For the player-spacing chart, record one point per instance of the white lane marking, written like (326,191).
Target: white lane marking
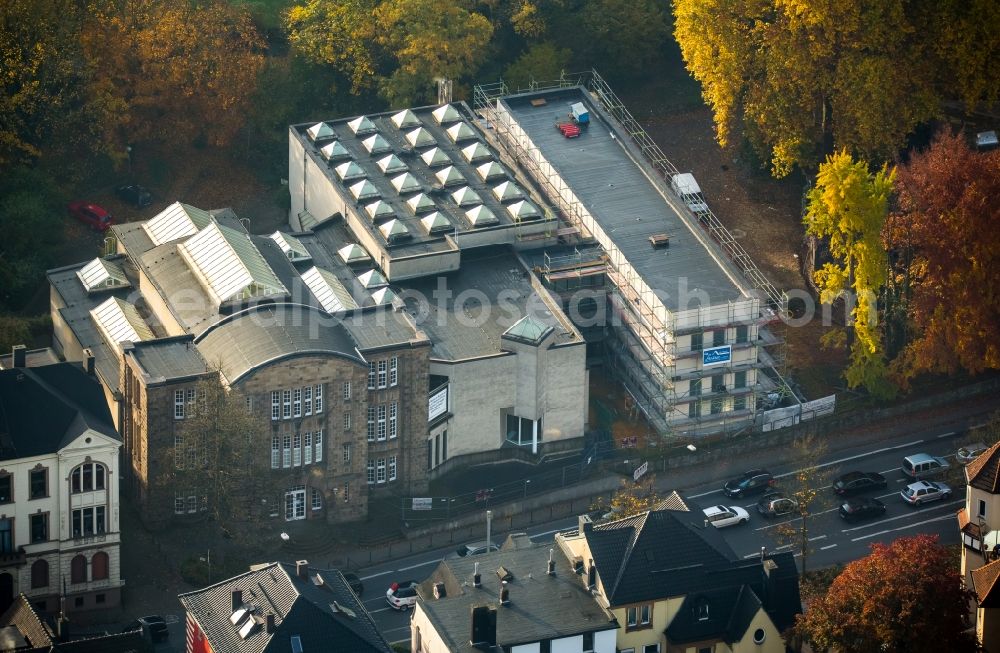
(421,564)
(885,521)
(948,434)
(558,530)
(818,537)
(703,494)
(828,546)
(784,546)
(381,573)
(903,528)
(380,610)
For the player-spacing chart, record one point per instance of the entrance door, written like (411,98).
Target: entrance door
(295,503)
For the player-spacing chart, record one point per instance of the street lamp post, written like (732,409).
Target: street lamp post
(489,523)
(526,481)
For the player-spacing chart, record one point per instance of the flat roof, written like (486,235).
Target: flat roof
(169,358)
(614,184)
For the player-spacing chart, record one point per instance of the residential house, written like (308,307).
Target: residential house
(979,524)
(24,630)
(280,608)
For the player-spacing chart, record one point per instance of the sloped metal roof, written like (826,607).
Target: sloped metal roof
(461,132)
(406,183)
(465,196)
(229,265)
(491,170)
(421,203)
(450,176)
(436,158)
(353,253)
(175,222)
(328,290)
(390,164)
(333,151)
(321,131)
(420,137)
(507,191)
(118,322)
(372,279)
(376,144)
(405,118)
(481,216)
(476,152)
(435,222)
(446,113)
(291,246)
(362,125)
(102,274)
(350,170)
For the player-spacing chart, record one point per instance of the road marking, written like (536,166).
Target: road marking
(420,564)
(784,546)
(703,494)
(883,521)
(380,610)
(854,457)
(818,537)
(903,528)
(558,530)
(381,573)
(948,434)
(828,546)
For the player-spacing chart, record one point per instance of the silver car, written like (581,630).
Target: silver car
(722,516)
(921,492)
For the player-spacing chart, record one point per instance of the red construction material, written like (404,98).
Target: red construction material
(568,129)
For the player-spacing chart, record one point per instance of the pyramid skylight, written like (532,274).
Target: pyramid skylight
(405,118)
(372,279)
(376,144)
(406,183)
(102,274)
(364,190)
(321,131)
(491,170)
(461,132)
(465,196)
(362,125)
(421,203)
(508,190)
(481,216)
(476,152)
(450,176)
(328,290)
(394,229)
(436,158)
(380,210)
(291,246)
(175,222)
(229,265)
(119,322)
(446,113)
(353,253)
(333,151)
(523,210)
(383,296)
(349,170)
(391,164)
(420,138)
(435,222)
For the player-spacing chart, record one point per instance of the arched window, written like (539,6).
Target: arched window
(78,569)
(39,573)
(99,566)
(87,477)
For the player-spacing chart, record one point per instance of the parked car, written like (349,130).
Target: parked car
(356,585)
(775,504)
(861,508)
(475,549)
(922,492)
(402,595)
(921,465)
(135,194)
(970,452)
(722,516)
(92,215)
(751,482)
(855,482)
(152,626)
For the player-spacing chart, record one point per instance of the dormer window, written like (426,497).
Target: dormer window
(702,610)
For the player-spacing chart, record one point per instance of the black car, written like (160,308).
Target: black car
(356,585)
(775,504)
(135,194)
(152,626)
(863,508)
(855,482)
(751,482)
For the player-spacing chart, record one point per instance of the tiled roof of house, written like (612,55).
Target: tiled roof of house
(24,631)
(984,582)
(320,609)
(718,614)
(984,472)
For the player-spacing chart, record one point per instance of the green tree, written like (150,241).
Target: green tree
(624,36)
(340,33)
(543,61)
(904,596)
(847,209)
(806,488)
(634,497)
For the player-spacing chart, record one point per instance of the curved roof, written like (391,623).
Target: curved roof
(247,341)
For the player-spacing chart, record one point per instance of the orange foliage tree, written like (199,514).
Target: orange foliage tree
(947,249)
(904,596)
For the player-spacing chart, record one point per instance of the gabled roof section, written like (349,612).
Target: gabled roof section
(334,151)
(353,253)
(349,170)
(321,131)
(421,203)
(507,191)
(465,196)
(376,144)
(491,170)
(528,330)
(476,152)
(390,164)
(361,126)
(435,222)
(984,472)
(461,132)
(291,246)
(724,614)
(481,216)
(420,138)
(119,322)
(450,176)
(175,222)
(328,290)
(364,190)
(436,158)
(984,582)
(103,274)
(372,279)
(445,114)
(673,501)
(380,210)
(405,118)
(228,264)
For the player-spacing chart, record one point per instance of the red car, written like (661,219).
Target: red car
(92,215)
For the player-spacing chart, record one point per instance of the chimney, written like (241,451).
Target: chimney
(504,593)
(439,591)
(237,600)
(477,580)
(88,362)
(584,524)
(591,576)
(18,354)
(269,623)
(302,569)
(551,570)
(484,627)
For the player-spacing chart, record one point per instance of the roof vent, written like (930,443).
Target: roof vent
(338,608)
(302,569)
(578,564)
(269,626)
(504,574)
(504,593)
(551,568)
(237,600)
(477,580)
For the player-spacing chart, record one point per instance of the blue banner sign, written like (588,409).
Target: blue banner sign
(716,355)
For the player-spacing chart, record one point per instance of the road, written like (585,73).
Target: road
(832,540)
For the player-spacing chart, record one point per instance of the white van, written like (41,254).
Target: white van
(687,188)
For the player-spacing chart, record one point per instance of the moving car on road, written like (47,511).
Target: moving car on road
(751,482)
(475,549)
(970,452)
(921,465)
(862,508)
(152,626)
(775,504)
(922,492)
(722,516)
(855,482)
(94,216)
(402,595)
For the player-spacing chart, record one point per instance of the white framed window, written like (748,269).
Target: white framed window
(346,390)
(275,452)
(371,375)
(347,452)
(192,503)
(307,400)
(286,403)
(380,471)
(371,472)
(191,451)
(297,402)
(392,420)
(179,503)
(644,614)
(380,431)
(383,370)
(371,423)
(632,617)
(190,397)
(178,451)
(318,443)
(318,397)
(297,450)
(307,443)
(316,499)
(393,371)
(178,404)
(286,451)
(392,468)
(347,422)
(275,405)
